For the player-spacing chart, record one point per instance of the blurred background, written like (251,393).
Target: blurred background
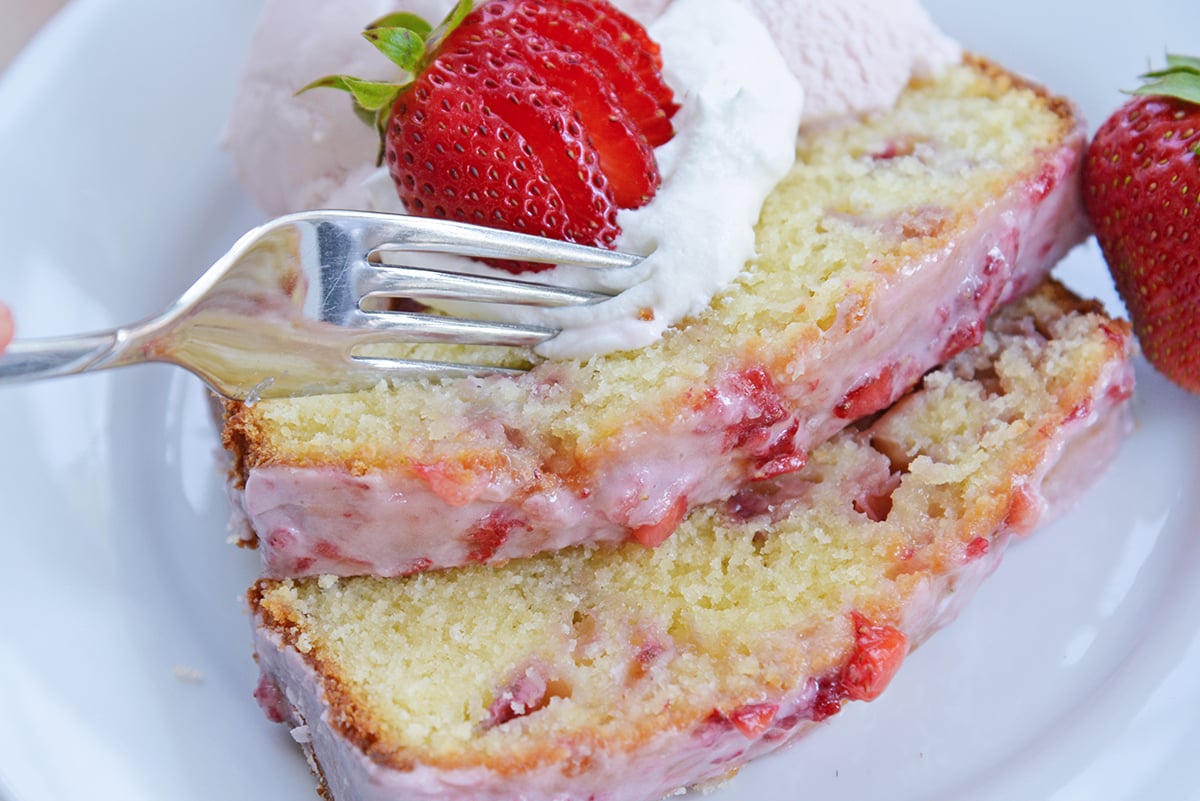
(21,19)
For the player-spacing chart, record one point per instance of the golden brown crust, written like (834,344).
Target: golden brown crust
(273,619)
(239,441)
(1004,79)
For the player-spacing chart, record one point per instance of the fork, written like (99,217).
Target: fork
(285,310)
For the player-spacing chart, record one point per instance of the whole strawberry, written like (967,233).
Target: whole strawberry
(532,115)
(1142,193)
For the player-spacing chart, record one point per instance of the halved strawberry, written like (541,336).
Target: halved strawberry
(504,126)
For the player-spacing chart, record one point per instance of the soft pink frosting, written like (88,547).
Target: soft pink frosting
(291,691)
(315,520)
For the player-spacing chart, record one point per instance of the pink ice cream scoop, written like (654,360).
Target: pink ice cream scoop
(851,56)
(309,151)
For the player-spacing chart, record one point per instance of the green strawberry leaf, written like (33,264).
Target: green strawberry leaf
(1180,79)
(367,118)
(409,42)
(1180,85)
(369,95)
(403,19)
(1184,62)
(404,47)
(457,14)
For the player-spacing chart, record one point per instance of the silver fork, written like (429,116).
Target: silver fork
(283,312)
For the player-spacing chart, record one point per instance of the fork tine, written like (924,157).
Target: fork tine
(424,284)
(299,284)
(417,327)
(401,233)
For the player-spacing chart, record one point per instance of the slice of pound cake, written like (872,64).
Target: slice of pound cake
(629,673)
(879,256)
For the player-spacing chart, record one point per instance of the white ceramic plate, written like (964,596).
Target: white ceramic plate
(125,667)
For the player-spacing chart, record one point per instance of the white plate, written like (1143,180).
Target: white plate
(125,669)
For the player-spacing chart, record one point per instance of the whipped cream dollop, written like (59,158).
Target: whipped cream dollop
(735,139)
(744,71)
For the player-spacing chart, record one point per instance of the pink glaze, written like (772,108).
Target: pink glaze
(715,745)
(747,425)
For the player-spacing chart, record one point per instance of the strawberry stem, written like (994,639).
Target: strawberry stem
(410,43)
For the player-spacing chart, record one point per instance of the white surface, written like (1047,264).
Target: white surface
(125,669)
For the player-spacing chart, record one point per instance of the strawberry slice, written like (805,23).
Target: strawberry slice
(878,651)
(569,30)
(626,158)
(551,128)
(633,44)
(496,178)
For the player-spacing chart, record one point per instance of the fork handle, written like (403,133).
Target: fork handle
(33,359)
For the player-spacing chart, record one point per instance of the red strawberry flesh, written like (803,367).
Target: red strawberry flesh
(571,31)
(633,45)
(625,157)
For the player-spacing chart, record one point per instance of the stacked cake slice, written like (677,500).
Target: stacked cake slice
(880,255)
(629,673)
(618,577)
